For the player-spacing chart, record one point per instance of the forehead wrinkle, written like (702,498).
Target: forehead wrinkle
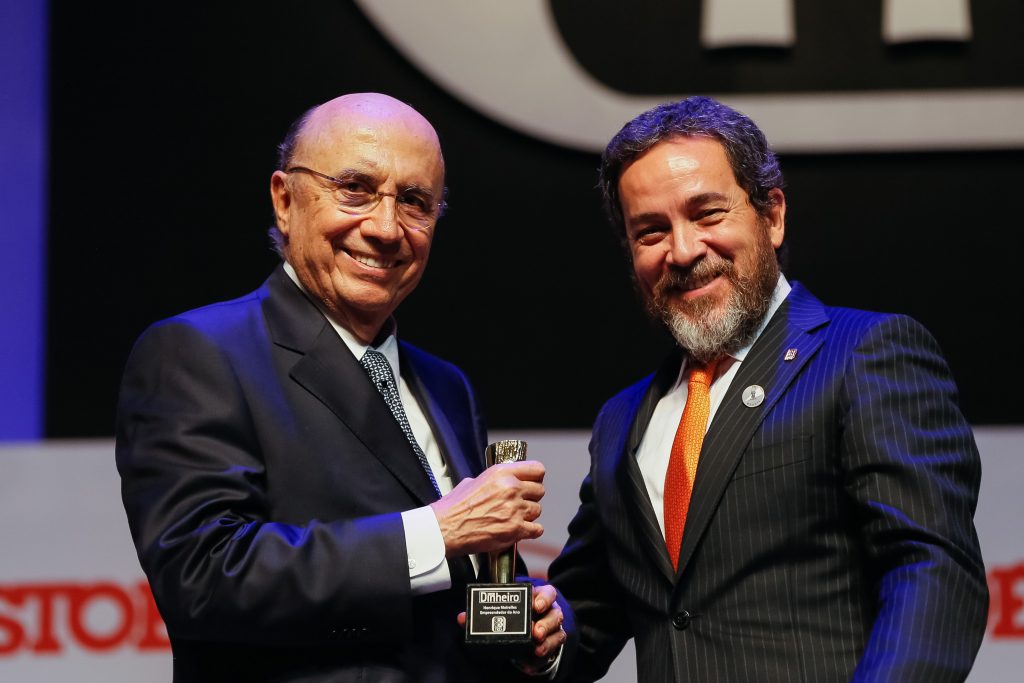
(322,133)
(368,136)
(362,167)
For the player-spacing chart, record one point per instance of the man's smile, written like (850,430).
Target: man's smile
(698,281)
(694,283)
(372,261)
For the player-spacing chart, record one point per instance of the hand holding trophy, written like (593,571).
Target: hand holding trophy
(500,613)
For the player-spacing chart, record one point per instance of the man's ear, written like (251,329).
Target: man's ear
(777,217)
(281,199)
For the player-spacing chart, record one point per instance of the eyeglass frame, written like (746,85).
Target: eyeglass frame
(440,206)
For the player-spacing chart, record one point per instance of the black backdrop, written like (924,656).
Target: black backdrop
(165,118)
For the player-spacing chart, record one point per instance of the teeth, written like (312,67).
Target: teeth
(373,262)
(697,284)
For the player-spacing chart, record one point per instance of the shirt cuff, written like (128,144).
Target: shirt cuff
(552,670)
(428,568)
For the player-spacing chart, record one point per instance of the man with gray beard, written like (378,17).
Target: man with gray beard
(790,497)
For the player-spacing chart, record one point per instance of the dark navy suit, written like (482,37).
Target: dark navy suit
(264,476)
(830,535)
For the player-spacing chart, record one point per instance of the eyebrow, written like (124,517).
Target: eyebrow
(650,216)
(706,198)
(698,200)
(355,174)
(369,178)
(425,192)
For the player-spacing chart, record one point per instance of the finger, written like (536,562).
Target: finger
(530,490)
(543,598)
(531,530)
(551,644)
(549,624)
(526,470)
(531,511)
(523,531)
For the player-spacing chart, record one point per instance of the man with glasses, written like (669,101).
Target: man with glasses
(306,492)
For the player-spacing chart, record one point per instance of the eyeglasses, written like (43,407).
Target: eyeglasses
(415,208)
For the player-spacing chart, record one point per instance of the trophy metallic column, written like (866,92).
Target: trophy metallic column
(501,613)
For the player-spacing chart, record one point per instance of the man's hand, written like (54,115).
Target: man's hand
(492,511)
(547,630)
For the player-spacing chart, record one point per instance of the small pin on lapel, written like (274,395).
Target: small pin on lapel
(790,354)
(753,396)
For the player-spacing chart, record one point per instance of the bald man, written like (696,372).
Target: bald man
(306,493)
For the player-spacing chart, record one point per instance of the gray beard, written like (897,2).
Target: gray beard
(698,326)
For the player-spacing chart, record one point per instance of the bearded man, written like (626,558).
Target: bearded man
(790,497)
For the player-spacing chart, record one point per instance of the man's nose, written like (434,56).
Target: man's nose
(382,223)
(686,244)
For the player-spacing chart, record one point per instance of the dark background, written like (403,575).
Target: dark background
(165,118)
(653,46)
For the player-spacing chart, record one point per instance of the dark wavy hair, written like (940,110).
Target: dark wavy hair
(753,163)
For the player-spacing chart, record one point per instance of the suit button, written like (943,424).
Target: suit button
(681,620)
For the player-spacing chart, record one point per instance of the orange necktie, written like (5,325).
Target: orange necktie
(682,464)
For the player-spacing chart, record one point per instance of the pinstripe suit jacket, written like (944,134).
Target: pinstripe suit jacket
(830,535)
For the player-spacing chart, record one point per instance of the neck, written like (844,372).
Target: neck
(366,329)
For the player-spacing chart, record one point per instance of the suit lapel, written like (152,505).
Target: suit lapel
(632,480)
(734,423)
(328,370)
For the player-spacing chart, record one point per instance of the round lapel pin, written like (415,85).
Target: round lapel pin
(753,396)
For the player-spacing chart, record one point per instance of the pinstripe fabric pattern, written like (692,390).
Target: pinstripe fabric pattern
(830,535)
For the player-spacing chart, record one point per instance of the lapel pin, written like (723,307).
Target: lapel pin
(790,354)
(753,396)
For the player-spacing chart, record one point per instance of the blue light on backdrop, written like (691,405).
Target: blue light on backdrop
(23,166)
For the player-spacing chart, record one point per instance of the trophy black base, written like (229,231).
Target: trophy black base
(499,614)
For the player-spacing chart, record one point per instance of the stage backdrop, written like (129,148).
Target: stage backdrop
(899,123)
(75,607)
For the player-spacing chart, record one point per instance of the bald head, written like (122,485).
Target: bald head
(354,114)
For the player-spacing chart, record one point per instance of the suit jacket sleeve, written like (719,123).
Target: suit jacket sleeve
(581,573)
(914,471)
(194,486)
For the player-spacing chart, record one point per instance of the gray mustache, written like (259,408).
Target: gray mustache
(685,278)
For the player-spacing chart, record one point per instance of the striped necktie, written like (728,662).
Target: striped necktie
(379,370)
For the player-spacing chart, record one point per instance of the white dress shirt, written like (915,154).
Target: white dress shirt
(428,569)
